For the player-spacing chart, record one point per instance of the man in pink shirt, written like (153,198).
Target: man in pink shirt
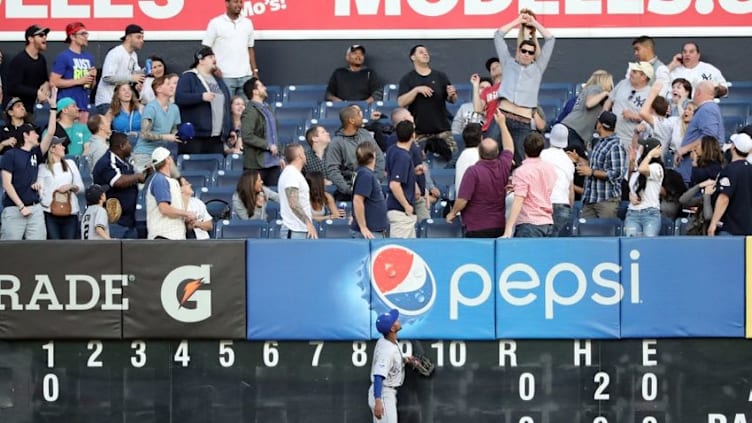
(534,180)
(483,187)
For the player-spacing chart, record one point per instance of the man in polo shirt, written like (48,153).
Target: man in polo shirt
(731,214)
(166,216)
(22,216)
(114,169)
(400,171)
(231,37)
(369,205)
(532,211)
(481,197)
(604,172)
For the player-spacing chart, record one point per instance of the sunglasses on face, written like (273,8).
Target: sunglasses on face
(528,52)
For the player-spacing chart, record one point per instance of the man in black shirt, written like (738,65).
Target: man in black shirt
(731,215)
(355,82)
(27,72)
(424,92)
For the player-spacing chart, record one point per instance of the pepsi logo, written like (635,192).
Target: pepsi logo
(401,279)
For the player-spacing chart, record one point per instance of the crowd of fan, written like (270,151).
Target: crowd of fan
(648,147)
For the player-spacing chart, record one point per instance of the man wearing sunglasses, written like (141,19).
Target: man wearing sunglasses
(27,72)
(522,78)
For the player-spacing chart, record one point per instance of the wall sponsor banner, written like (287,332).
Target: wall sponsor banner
(687,287)
(286,19)
(748,282)
(558,288)
(192,289)
(301,289)
(61,289)
(443,288)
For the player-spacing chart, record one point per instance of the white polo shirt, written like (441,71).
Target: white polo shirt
(230,41)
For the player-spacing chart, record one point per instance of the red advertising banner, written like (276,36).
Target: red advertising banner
(322,19)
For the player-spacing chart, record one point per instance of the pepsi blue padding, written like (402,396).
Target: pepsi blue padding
(687,287)
(306,289)
(558,288)
(443,288)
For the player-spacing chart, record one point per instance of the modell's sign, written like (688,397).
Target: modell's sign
(285,19)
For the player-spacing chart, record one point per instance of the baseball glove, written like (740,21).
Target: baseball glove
(422,364)
(114,210)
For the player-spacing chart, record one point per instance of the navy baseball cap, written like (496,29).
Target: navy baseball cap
(385,321)
(186,131)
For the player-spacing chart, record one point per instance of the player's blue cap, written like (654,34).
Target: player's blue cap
(385,321)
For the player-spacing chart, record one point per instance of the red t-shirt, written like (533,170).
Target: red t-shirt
(491,96)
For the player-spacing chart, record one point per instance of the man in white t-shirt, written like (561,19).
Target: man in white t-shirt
(294,196)
(687,65)
(231,37)
(627,98)
(121,66)
(471,135)
(562,196)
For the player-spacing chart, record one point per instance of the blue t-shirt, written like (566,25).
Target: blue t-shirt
(707,120)
(72,65)
(24,168)
(367,185)
(163,122)
(127,122)
(160,188)
(106,172)
(400,168)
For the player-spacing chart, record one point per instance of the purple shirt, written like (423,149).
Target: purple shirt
(484,188)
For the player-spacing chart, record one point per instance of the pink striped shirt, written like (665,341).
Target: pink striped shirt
(535,181)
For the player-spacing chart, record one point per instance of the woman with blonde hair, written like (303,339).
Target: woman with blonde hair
(125,112)
(59,179)
(588,106)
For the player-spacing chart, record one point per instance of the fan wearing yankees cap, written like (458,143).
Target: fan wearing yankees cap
(354,82)
(387,370)
(204,100)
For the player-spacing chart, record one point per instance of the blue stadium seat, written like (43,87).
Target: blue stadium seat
(218,208)
(667,226)
(272,211)
(274,93)
(603,227)
(391,92)
(338,228)
(443,178)
(199,178)
(297,111)
(464,92)
(385,106)
(331,109)
(242,229)
(288,131)
(739,91)
(732,124)
(207,194)
(207,162)
(437,209)
(309,93)
(227,178)
(734,108)
(556,91)
(439,228)
(233,162)
(681,226)
(452,108)
(331,124)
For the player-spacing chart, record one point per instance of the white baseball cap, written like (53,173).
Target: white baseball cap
(159,155)
(742,142)
(559,136)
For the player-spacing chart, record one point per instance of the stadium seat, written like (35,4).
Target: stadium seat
(297,111)
(41,115)
(550,109)
(207,162)
(734,108)
(739,91)
(272,211)
(207,194)
(288,131)
(438,208)
(218,209)
(602,227)
(242,229)
(439,228)
(331,124)
(310,93)
(385,106)
(443,178)
(274,93)
(681,226)
(464,93)
(339,228)
(227,178)
(559,92)
(732,124)
(199,178)
(233,162)
(391,92)
(667,226)
(331,109)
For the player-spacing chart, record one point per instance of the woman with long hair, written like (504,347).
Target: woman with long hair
(125,112)
(588,106)
(644,210)
(234,143)
(707,160)
(321,201)
(158,69)
(249,200)
(59,177)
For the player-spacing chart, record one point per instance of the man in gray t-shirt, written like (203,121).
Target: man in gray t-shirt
(627,99)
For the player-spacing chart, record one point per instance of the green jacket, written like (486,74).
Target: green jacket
(253,133)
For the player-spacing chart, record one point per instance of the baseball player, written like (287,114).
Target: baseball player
(387,370)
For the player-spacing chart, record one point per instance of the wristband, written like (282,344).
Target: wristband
(53,108)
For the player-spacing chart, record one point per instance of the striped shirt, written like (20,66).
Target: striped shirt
(609,156)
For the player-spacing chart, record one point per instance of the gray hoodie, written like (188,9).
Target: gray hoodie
(341,162)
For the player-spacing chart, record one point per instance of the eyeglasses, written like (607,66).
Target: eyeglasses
(528,52)
(83,33)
